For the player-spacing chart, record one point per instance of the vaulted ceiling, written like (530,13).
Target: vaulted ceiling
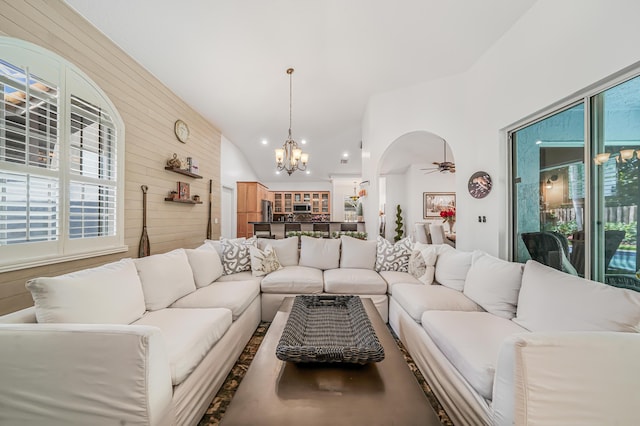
(228,60)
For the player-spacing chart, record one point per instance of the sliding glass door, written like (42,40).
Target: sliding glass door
(555,191)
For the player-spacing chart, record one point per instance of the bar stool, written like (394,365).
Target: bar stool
(291,227)
(262,230)
(349,227)
(322,227)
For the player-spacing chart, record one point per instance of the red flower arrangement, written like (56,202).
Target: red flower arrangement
(448,215)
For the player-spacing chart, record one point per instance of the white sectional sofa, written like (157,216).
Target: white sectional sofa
(136,342)
(503,343)
(149,341)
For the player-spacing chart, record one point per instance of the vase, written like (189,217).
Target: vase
(451,223)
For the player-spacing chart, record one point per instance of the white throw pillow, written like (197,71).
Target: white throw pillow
(206,266)
(551,300)
(393,257)
(165,278)
(235,255)
(452,266)
(263,262)
(320,253)
(108,294)
(422,262)
(286,249)
(356,253)
(494,284)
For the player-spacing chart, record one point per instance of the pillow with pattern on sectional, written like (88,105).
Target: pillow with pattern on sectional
(393,257)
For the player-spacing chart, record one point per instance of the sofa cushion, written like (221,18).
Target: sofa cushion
(110,294)
(422,262)
(206,266)
(189,334)
(452,267)
(233,295)
(354,281)
(471,342)
(393,257)
(356,253)
(286,249)
(235,255)
(321,253)
(551,300)
(418,298)
(263,262)
(165,278)
(396,277)
(494,284)
(293,279)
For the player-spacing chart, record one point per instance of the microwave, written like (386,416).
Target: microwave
(301,207)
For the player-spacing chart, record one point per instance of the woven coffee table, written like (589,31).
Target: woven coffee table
(275,392)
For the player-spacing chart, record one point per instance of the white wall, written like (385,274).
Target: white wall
(233,168)
(552,52)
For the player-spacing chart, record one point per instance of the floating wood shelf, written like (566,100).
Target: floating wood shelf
(182,201)
(183,172)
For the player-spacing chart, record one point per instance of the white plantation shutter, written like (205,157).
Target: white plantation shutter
(60,142)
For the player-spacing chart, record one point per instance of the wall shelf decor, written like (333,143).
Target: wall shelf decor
(183,172)
(177,200)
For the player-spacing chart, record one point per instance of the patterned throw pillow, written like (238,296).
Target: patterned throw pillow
(264,261)
(236,256)
(393,257)
(422,263)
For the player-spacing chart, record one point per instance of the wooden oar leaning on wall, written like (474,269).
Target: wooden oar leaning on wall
(144,249)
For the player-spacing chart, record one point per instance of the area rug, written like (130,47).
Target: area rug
(218,407)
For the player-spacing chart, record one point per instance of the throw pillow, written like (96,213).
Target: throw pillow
(494,284)
(235,255)
(165,278)
(360,254)
(393,257)
(108,294)
(286,249)
(264,261)
(206,266)
(422,263)
(320,253)
(452,266)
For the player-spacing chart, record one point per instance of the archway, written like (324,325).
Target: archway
(403,180)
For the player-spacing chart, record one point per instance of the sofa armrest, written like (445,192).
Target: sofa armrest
(586,378)
(84,374)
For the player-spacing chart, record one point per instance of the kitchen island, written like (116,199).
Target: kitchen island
(277,227)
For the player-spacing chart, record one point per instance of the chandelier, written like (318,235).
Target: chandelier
(291,158)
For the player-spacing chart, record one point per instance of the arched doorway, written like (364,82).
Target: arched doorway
(406,173)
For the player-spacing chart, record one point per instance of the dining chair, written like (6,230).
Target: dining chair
(438,236)
(421,233)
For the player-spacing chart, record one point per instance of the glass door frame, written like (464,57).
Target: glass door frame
(583,97)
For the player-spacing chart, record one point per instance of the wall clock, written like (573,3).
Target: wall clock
(181,130)
(479,184)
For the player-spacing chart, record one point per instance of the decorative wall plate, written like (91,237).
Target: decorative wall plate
(181,130)
(479,184)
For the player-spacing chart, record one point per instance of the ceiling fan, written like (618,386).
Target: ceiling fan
(443,167)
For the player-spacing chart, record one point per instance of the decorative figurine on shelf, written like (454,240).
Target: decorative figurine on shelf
(174,162)
(196,198)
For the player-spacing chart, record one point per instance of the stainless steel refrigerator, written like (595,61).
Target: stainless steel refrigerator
(267,211)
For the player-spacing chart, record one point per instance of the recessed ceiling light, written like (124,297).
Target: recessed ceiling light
(345,155)
(303,141)
(264,142)
(308,172)
(277,172)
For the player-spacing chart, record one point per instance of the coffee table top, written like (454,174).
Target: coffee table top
(275,392)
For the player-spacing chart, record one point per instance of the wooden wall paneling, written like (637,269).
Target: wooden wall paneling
(149,138)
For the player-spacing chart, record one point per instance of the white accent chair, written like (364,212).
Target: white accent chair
(421,233)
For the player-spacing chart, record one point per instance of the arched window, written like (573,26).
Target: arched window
(61,161)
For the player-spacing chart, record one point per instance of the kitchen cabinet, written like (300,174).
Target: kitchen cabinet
(249,206)
(319,201)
